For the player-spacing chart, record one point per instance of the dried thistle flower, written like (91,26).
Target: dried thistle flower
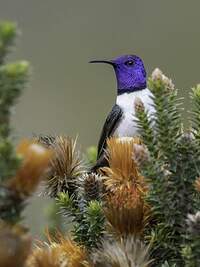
(197,184)
(45,140)
(76,255)
(129,252)
(15,246)
(193,222)
(125,188)
(91,186)
(35,162)
(126,211)
(157,74)
(47,257)
(61,253)
(122,168)
(66,166)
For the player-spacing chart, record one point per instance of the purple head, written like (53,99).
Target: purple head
(130,72)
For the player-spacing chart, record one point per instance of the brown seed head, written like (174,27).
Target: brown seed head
(66,166)
(92,186)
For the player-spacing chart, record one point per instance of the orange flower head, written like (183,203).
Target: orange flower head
(77,256)
(126,211)
(47,257)
(60,253)
(122,167)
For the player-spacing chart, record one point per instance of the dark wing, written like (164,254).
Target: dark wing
(110,125)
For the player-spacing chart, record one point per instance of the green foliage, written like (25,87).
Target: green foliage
(146,129)
(8,32)
(166,264)
(90,225)
(172,169)
(195,120)
(190,252)
(52,212)
(11,205)
(87,218)
(9,161)
(91,154)
(13,78)
(190,249)
(166,123)
(67,204)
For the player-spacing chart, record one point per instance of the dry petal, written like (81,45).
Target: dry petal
(35,162)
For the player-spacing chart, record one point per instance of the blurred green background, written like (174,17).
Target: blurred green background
(66,94)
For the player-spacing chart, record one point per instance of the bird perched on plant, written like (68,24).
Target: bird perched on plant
(131,84)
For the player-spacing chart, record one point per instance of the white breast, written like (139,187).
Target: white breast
(128,125)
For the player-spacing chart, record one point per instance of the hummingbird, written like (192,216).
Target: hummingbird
(131,84)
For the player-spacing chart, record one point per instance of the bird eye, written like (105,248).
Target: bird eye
(129,63)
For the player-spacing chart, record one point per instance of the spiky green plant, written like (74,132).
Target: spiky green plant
(13,78)
(87,219)
(77,194)
(171,171)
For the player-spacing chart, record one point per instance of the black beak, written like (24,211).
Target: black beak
(103,61)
